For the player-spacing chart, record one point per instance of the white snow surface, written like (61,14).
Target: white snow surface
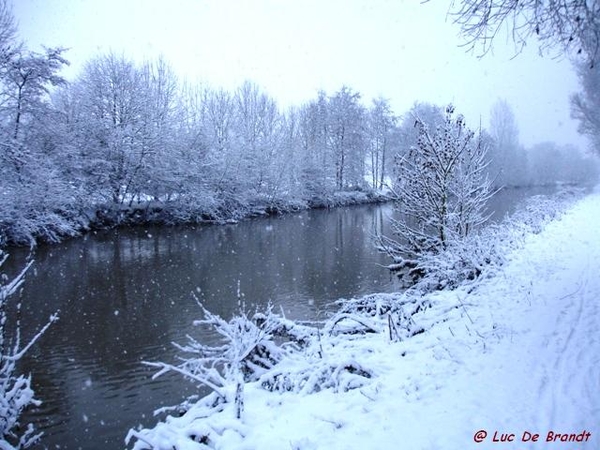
(517,352)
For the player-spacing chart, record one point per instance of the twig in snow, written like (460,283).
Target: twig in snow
(465,309)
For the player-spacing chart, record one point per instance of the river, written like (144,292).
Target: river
(125,295)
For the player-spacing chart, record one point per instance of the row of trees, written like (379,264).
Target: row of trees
(545,163)
(124,136)
(125,133)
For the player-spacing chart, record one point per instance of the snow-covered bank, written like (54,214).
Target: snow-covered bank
(30,226)
(512,355)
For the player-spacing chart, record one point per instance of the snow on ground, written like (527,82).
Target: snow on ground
(515,355)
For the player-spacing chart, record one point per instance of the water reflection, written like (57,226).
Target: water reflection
(125,295)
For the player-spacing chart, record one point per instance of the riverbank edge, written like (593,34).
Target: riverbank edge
(63,225)
(208,423)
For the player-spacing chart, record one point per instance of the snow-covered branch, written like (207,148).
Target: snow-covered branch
(16,393)
(246,352)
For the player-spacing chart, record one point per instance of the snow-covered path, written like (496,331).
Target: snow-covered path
(519,356)
(540,321)
(507,364)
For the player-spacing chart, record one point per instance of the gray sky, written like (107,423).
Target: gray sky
(400,49)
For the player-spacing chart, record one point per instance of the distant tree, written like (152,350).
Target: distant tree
(8,36)
(585,105)
(547,163)
(578,168)
(571,25)
(551,163)
(426,113)
(380,126)
(316,175)
(441,191)
(503,125)
(508,161)
(346,137)
(257,129)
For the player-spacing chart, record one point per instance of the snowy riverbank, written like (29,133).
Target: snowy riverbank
(512,355)
(33,226)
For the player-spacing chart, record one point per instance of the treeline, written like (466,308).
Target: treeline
(546,163)
(128,142)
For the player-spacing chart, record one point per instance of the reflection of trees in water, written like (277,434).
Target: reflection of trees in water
(125,295)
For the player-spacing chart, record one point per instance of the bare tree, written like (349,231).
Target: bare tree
(508,160)
(257,127)
(585,105)
(114,101)
(570,25)
(28,79)
(8,35)
(345,137)
(380,126)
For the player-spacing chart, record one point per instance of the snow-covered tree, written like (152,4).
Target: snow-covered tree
(16,393)
(8,36)
(441,191)
(508,160)
(33,199)
(201,156)
(160,138)
(316,175)
(345,133)
(114,101)
(585,105)
(26,82)
(569,25)
(257,129)
(380,126)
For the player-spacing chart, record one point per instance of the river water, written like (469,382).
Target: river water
(125,295)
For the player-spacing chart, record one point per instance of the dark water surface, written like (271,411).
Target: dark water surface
(125,295)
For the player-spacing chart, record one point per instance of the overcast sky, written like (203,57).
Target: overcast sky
(400,49)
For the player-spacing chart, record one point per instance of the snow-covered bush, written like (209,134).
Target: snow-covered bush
(306,374)
(247,351)
(276,354)
(441,192)
(16,393)
(484,250)
(252,346)
(378,313)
